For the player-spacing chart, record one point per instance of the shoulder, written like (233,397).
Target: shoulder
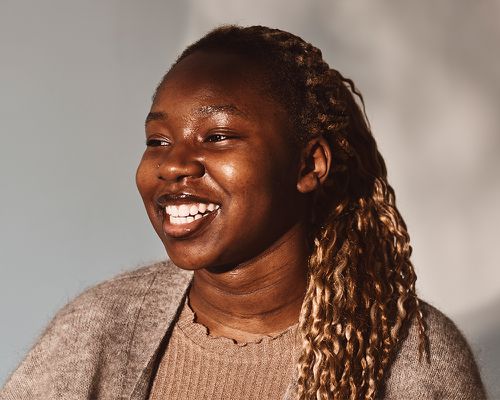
(111,295)
(109,307)
(128,286)
(449,371)
(88,340)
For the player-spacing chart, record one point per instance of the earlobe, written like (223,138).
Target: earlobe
(315,165)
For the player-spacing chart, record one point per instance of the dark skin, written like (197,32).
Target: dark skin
(214,137)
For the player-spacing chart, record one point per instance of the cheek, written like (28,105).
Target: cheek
(145,177)
(229,171)
(253,181)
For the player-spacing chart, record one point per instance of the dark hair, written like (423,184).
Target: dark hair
(361,285)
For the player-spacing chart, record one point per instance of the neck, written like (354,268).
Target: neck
(259,297)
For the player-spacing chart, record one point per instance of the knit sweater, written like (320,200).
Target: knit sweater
(197,365)
(107,344)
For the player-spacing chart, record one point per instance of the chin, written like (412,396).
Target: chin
(188,262)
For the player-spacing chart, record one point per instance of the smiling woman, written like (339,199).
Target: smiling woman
(289,273)
(222,143)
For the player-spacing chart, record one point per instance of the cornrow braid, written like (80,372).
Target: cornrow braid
(361,283)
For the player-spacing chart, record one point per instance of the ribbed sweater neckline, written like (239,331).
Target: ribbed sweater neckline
(267,346)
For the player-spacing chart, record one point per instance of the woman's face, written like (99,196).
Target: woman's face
(219,175)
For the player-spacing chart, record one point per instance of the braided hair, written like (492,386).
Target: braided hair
(361,282)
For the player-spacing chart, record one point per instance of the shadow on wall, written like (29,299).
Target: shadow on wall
(482,328)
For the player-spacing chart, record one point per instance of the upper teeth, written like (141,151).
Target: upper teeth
(189,210)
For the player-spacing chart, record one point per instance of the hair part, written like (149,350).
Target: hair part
(361,287)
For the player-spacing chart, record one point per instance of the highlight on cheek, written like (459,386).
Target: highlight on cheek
(229,171)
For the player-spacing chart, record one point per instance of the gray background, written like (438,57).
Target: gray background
(75,85)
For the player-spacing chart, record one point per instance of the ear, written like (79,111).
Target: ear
(316,158)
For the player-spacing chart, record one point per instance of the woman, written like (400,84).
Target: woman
(290,273)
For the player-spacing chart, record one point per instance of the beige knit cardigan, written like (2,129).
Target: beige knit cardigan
(106,343)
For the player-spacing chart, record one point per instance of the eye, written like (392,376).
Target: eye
(217,137)
(156,142)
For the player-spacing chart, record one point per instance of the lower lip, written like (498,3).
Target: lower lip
(179,231)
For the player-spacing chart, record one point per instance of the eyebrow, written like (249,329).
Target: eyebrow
(211,109)
(156,116)
(205,111)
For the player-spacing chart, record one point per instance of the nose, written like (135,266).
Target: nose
(179,163)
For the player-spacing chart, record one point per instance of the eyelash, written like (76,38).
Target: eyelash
(156,142)
(211,138)
(214,138)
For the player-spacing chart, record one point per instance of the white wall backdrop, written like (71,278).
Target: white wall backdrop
(76,79)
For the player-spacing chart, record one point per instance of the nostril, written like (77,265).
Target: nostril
(178,171)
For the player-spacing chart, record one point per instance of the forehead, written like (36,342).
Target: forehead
(215,64)
(217,78)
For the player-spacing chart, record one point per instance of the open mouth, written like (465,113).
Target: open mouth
(186,218)
(187,213)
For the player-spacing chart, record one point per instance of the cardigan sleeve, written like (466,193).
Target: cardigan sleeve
(450,372)
(82,353)
(61,362)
